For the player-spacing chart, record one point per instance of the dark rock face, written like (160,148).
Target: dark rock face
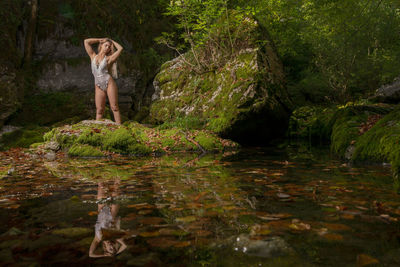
(389,93)
(245,99)
(66,67)
(10,93)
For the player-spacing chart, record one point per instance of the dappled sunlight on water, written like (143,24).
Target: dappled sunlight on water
(259,207)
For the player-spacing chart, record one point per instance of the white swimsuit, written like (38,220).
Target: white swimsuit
(100,73)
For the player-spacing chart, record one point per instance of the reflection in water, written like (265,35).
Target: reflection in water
(253,209)
(107,221)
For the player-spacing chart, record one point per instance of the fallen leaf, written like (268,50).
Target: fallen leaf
(363,260)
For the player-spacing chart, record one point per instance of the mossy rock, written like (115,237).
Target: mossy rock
(381,142)
(346,123)
(244,99)
(97,138)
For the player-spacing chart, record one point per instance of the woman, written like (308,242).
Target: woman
(107,220)
(103,64)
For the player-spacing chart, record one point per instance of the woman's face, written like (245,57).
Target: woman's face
(106,47)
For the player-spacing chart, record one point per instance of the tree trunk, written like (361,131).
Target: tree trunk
(30,34)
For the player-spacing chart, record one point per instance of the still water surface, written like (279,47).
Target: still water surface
(258,207)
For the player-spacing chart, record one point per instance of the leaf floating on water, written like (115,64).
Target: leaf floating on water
(149,234)
(186,219)
(298,225)
(347,216)
(282,195)
(364,259)
(333,237)
(141,206)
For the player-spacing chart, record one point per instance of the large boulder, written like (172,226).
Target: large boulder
(389,93)
(243,98)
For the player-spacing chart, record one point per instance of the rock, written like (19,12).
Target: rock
(98,138)
(243,99)
(389,93)
(50,156)
(10,93)
(272,247)
(8,129)
(11,171)
(349,152)
(52,145)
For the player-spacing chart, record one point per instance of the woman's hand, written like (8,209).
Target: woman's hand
(116,54)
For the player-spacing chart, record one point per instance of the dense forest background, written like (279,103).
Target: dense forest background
(331,51)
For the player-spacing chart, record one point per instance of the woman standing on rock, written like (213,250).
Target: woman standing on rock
(104,63)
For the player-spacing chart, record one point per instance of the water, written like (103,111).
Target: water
(258,207)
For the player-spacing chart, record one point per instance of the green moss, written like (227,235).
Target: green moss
(312,123)
(347,121)
(187,122)
(35,145)
(138,149)
(381,142)
(208,142)
(80,150)
(90,137)
(219,124)
(118,140)
(23,137)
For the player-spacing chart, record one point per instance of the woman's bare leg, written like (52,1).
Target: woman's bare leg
(100,99)
(112,92)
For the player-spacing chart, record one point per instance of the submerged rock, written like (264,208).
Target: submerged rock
(243,97)
(272,247)
(100,138)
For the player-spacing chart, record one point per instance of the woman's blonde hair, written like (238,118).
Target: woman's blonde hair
(114,71)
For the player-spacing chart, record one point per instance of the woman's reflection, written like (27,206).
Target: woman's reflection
(107,226)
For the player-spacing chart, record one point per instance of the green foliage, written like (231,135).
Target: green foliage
(332,50)
(349,45)
(212,31)
(81,150)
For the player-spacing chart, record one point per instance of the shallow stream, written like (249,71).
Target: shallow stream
(257,207)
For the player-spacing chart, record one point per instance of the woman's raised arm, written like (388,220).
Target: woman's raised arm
(88,42)
(116,54)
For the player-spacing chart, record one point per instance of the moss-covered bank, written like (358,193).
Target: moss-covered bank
(99,138)
(357,132)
